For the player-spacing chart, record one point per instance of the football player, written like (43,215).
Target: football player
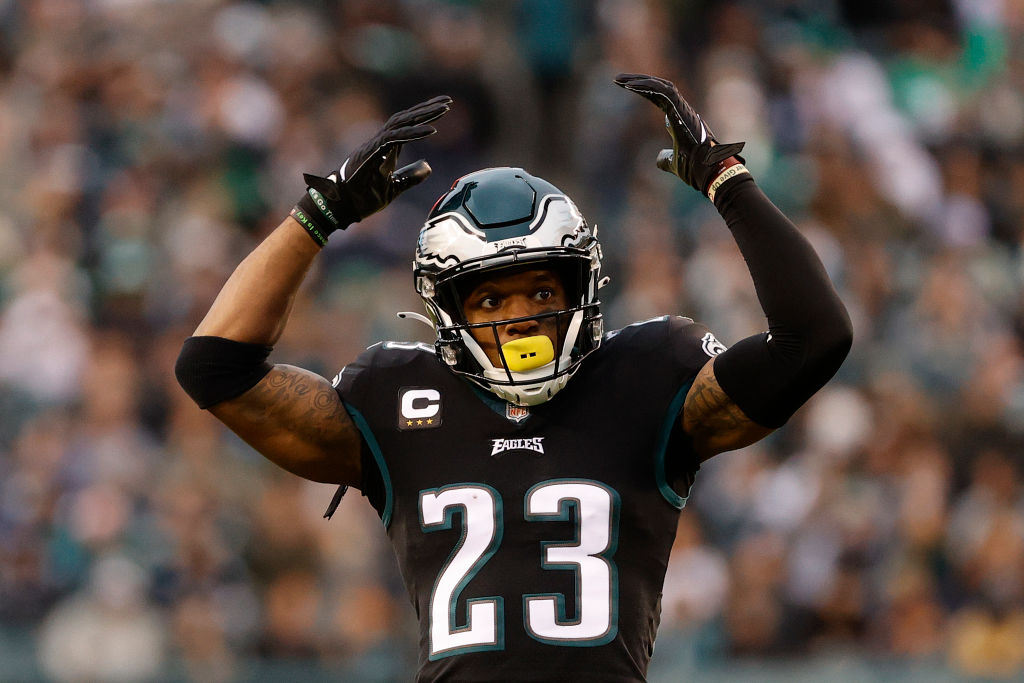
(529,467)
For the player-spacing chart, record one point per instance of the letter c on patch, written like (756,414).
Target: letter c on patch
(421,403)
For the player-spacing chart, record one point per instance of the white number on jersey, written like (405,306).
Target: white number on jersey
(481,528)
(595,574)
(594,508)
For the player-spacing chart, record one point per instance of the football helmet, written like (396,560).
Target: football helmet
(490,222)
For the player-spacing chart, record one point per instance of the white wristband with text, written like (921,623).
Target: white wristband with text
(731,172)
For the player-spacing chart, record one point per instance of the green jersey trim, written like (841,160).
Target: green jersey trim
(364,428)
(677,501)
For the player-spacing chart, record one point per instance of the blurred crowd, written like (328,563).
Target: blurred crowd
(147,145)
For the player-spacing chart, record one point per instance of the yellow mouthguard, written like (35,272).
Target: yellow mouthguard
(528,353)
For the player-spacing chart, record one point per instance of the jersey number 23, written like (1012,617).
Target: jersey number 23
(593,507)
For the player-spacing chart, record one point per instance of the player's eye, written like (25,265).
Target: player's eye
(490,302)
(544,294)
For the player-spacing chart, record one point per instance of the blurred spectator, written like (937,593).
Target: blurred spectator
(108,634)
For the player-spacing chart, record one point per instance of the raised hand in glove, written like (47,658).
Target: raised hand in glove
(696,156)
(368,181)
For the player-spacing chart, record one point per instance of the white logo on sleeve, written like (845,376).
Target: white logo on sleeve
(419,408)
(711,346)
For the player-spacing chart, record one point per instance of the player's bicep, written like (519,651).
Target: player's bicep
(296,419)
(714,422)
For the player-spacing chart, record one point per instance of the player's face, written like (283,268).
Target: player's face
(516,295)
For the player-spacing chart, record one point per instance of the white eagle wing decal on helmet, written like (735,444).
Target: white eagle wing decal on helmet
(558,212)
(442,244)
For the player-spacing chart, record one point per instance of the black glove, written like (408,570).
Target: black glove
(693,158)
(368,181)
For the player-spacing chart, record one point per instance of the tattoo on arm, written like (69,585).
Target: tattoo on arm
(713,420)
(296,419)
(301,402)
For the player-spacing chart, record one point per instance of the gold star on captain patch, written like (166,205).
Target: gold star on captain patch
(419,422)
(408,423)
(430,421)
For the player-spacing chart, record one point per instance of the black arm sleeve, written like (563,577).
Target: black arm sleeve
(809,334)
(214,369)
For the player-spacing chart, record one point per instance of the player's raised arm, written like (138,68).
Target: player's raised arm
(756,385)
(290,415)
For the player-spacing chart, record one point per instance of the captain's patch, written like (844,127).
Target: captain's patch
(419,408)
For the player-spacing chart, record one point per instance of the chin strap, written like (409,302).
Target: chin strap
(335,502)
(409,315)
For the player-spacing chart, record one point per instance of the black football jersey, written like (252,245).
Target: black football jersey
(533,541)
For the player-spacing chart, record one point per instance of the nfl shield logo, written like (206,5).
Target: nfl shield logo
(516,413)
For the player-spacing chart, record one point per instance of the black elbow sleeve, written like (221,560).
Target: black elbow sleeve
(770,381)
(214,369)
